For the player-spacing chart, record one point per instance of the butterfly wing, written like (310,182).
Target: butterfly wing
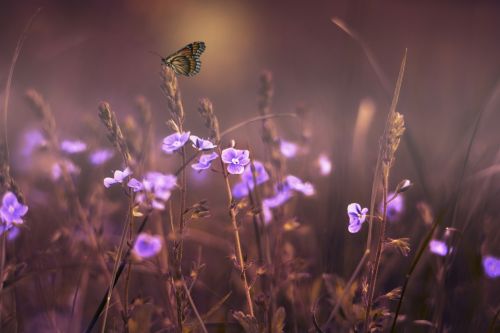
(186,61)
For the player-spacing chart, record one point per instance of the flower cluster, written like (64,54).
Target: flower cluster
(154,189)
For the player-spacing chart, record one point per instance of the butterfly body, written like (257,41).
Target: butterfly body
(186,61)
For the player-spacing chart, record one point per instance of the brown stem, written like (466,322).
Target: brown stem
(237,241)
(378,255)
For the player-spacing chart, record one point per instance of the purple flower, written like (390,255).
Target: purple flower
(394,208)
(147,245)
(325,165)
(118,177)
(294,183)
(438,247)
(100,156)
(240,189)
(357,217)
(156,189)
(73,146)
(204,161)
(200,144)
(12,211)
(33,139)
(135,185)
(288,149)
(277,200)
(236,160)
(12,231)
(71,168)
(491,266)
(174,141)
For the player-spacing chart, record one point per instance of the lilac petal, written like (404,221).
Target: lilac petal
(228,154)
(135,185)
(354,227)
(235,169)
(108,181)
(240,190)
(200,166)
(438,247)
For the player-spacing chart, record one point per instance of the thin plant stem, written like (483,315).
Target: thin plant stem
(115,268)
(237,242)
(378,255)
(254,119)
(193,306)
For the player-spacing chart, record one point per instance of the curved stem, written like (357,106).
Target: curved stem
(254,119)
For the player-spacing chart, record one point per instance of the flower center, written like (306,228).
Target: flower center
(11,209)
(235,161)
(177,144)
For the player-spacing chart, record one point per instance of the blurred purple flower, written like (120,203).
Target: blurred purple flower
(73,146)
(156,189)
(236,160)
(240,189)
(174,141)
(288,149)
(71,168)
(118,177)
(438,247)
(204,161)
(33,139)
(147,245)
(12,231)
(394,208)
(491,266)
(135,185)
(100,156)
(277,200)
(325,165)
(357,217)
(200,144)
(12,211)
(296,184)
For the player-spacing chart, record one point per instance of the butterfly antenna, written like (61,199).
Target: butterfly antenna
(156,53)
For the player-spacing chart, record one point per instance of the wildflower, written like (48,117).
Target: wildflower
(155,189)
(12,211)
(288,149)
(438,247)
(11,230)
(204,161)
(118,177)
(325,165)
(357,217)
(395,207)
(147,245)
(491,266)
(277,200)
(32,140)
(174,141)
(73,146)
(135,185)
(100,156)
(261,176)
(296,184)
(200,144)
(237,159)
(71,168)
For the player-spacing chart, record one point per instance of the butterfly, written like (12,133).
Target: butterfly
(186,61)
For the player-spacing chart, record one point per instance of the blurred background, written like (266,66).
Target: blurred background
(79,53)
